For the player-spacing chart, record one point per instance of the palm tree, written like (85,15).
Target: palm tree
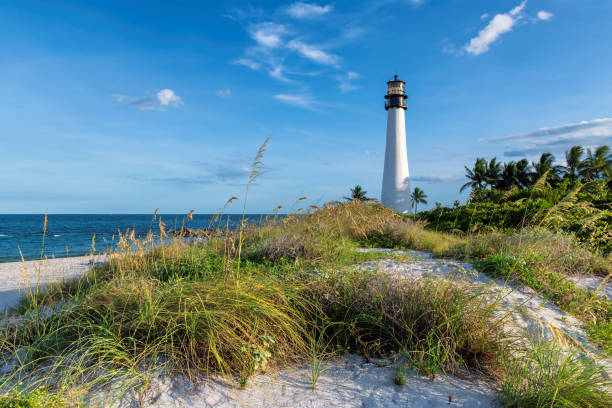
(418,196)
(477,176)
(597,164)
(573,160)
(523,173)
(509,176)
(493,172)
(546,165)
(357,193)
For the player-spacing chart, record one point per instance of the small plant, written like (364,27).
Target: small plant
(399,374)
(33,399)
(318,354)
(259,356)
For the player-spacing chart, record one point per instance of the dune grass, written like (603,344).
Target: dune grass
(545,376)
(536,257)
(289,297)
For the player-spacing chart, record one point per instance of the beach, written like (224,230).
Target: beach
(345,381)
(17,278)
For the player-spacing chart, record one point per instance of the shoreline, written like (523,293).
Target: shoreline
(17,277)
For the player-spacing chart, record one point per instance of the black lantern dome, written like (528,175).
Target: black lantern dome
(396,97)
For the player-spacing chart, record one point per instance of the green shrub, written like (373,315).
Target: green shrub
(33,399)
(590,225)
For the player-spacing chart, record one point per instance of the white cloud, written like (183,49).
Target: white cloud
(313,53)
(500,24)
(164,98)
(277,72)
(121,97)
(484,16)
(544,15)
(268,35)
(224,93)
(248,63)
(307,10)
(593,132)
(345,82)
(302,101)
(167,97)
(515,11)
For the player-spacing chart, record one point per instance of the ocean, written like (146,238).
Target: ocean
(71,234)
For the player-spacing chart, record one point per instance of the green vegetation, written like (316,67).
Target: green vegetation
(417,197)
(575,198)
(357,193)
(545,377)
(34,399)
(188,308)
(518,202)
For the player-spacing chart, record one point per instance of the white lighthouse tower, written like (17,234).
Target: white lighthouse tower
(396,179)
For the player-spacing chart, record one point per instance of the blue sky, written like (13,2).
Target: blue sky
(124,107)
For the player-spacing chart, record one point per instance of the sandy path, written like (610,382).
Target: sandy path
(18,277)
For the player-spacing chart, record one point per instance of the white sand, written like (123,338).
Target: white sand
(595,283)
(348,381)
(16,278)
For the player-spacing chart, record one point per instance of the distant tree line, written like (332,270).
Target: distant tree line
(595,165)
(575,197)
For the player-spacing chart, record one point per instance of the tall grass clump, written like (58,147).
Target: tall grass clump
(543,375)
(438,324)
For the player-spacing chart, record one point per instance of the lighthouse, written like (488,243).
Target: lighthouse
(396,179)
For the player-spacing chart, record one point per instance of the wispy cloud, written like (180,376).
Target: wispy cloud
(299,100)
(163,99)
(346,83)
(183,180)
(307,10)
(279,40)
(268,34)
(224,172)
(500,24)
(143,103)
(313,53)
(254,65)
(228,173)
(224,93)
(593,132)
(239,14)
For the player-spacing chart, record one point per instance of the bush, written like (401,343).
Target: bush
(590,225)
(33,399)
